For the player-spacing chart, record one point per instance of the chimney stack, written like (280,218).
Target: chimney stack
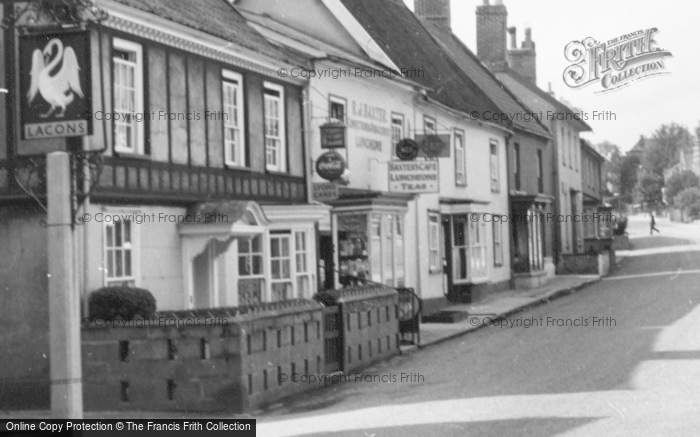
(513,37)
(438,11)
(491,22)
(524,59)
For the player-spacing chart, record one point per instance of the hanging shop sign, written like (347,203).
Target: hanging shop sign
(333,136)
(417,177)
(325,192)
(55,85)
(433,146)
(330,166)
(407,150)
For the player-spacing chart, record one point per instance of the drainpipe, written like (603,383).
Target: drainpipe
(509,136)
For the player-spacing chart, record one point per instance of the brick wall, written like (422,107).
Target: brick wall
(221,360)
(370,325)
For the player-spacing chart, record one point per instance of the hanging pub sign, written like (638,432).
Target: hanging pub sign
(330,166)
(407,150)
(414,177)
(333,136)
(433,146)
(55,85)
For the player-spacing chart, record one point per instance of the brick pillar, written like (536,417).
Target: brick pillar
(434,10)
(491,23)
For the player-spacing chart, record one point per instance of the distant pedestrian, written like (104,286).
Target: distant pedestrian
(653,225)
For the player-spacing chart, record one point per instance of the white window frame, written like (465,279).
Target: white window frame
(335,100)
(397,130)
(427,120)
(460,158)
(301,254)
(434,258)
(281,259)
(494,160)
(137,138)
(478,251)
(234,81)
(130,247)
(281,152)
(248,256)
(497,244)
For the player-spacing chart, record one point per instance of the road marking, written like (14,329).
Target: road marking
(651,275)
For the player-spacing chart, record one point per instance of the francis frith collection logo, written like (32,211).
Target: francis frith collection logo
(55,84)
(615,63)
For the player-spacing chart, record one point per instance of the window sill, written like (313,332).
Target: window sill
(435,271)
(132,155)
(277,173)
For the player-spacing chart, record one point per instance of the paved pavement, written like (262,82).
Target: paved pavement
(496,307)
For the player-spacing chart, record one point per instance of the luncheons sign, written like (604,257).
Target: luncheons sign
(55,85)
(414,177)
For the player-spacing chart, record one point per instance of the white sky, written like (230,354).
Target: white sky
(642,106)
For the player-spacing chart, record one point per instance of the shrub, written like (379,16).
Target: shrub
(124,303)
(689,199)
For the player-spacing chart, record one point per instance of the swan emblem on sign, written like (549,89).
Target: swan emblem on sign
(60,87)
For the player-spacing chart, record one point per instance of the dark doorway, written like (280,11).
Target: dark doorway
(326,256)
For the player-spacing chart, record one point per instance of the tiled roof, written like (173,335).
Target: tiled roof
(215,17)
(478,72)
(410,46)
(510,76)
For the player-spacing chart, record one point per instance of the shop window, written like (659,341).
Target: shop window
(281,267)
(388,250)
(127,60)
(250,271)
(275,143)
(352,251)
(434,242)
(589,226)
(376,247)
(469,250)
(119,253)
(234,113)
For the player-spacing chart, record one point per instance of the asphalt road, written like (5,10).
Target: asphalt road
(619,358)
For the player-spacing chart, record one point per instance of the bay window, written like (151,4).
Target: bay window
(281,267)
(303,273)
(250,271)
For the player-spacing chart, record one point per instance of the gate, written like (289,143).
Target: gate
(333,338)
(409,314)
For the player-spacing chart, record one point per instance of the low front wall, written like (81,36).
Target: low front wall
(370,325)
(586,264)
(222,360)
